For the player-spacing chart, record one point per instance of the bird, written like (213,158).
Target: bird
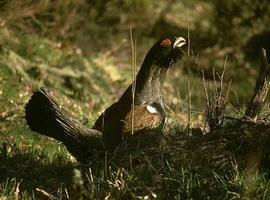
(138,111)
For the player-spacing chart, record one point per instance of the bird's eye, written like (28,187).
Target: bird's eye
(166,42)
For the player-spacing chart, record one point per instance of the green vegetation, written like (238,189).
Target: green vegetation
(80,51)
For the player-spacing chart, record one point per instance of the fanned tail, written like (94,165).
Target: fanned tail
(45,116)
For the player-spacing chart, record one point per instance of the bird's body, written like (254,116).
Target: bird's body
(126,119)
(130,116)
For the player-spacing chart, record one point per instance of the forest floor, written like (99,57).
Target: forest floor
(85,83)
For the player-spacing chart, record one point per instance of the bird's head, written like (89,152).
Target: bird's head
(167,51)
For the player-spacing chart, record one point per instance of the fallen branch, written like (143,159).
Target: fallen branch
(261,90)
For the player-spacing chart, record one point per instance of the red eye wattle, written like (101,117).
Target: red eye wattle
(166,42)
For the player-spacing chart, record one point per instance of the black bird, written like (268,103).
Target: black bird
(131,116)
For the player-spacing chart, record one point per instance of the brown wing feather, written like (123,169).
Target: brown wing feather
(142,119)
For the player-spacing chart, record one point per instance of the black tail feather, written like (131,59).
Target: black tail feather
(45,116)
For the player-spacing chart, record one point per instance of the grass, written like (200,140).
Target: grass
(36,167)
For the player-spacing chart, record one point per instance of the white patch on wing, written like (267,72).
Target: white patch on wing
(151,109)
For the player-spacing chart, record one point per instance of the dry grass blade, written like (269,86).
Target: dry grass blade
(216,101)
(189,73)
(46,194)
(17,191)
(133,68)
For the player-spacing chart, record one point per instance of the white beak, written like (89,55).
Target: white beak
(179,42)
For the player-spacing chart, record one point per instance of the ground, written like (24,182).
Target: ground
(86,81)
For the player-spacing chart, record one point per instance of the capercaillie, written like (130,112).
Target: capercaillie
(138,111)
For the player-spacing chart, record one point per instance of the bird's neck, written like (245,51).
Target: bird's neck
(149,83)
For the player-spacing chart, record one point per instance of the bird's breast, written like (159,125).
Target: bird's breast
(142,117)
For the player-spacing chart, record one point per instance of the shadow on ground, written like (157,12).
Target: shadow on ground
(34,173)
